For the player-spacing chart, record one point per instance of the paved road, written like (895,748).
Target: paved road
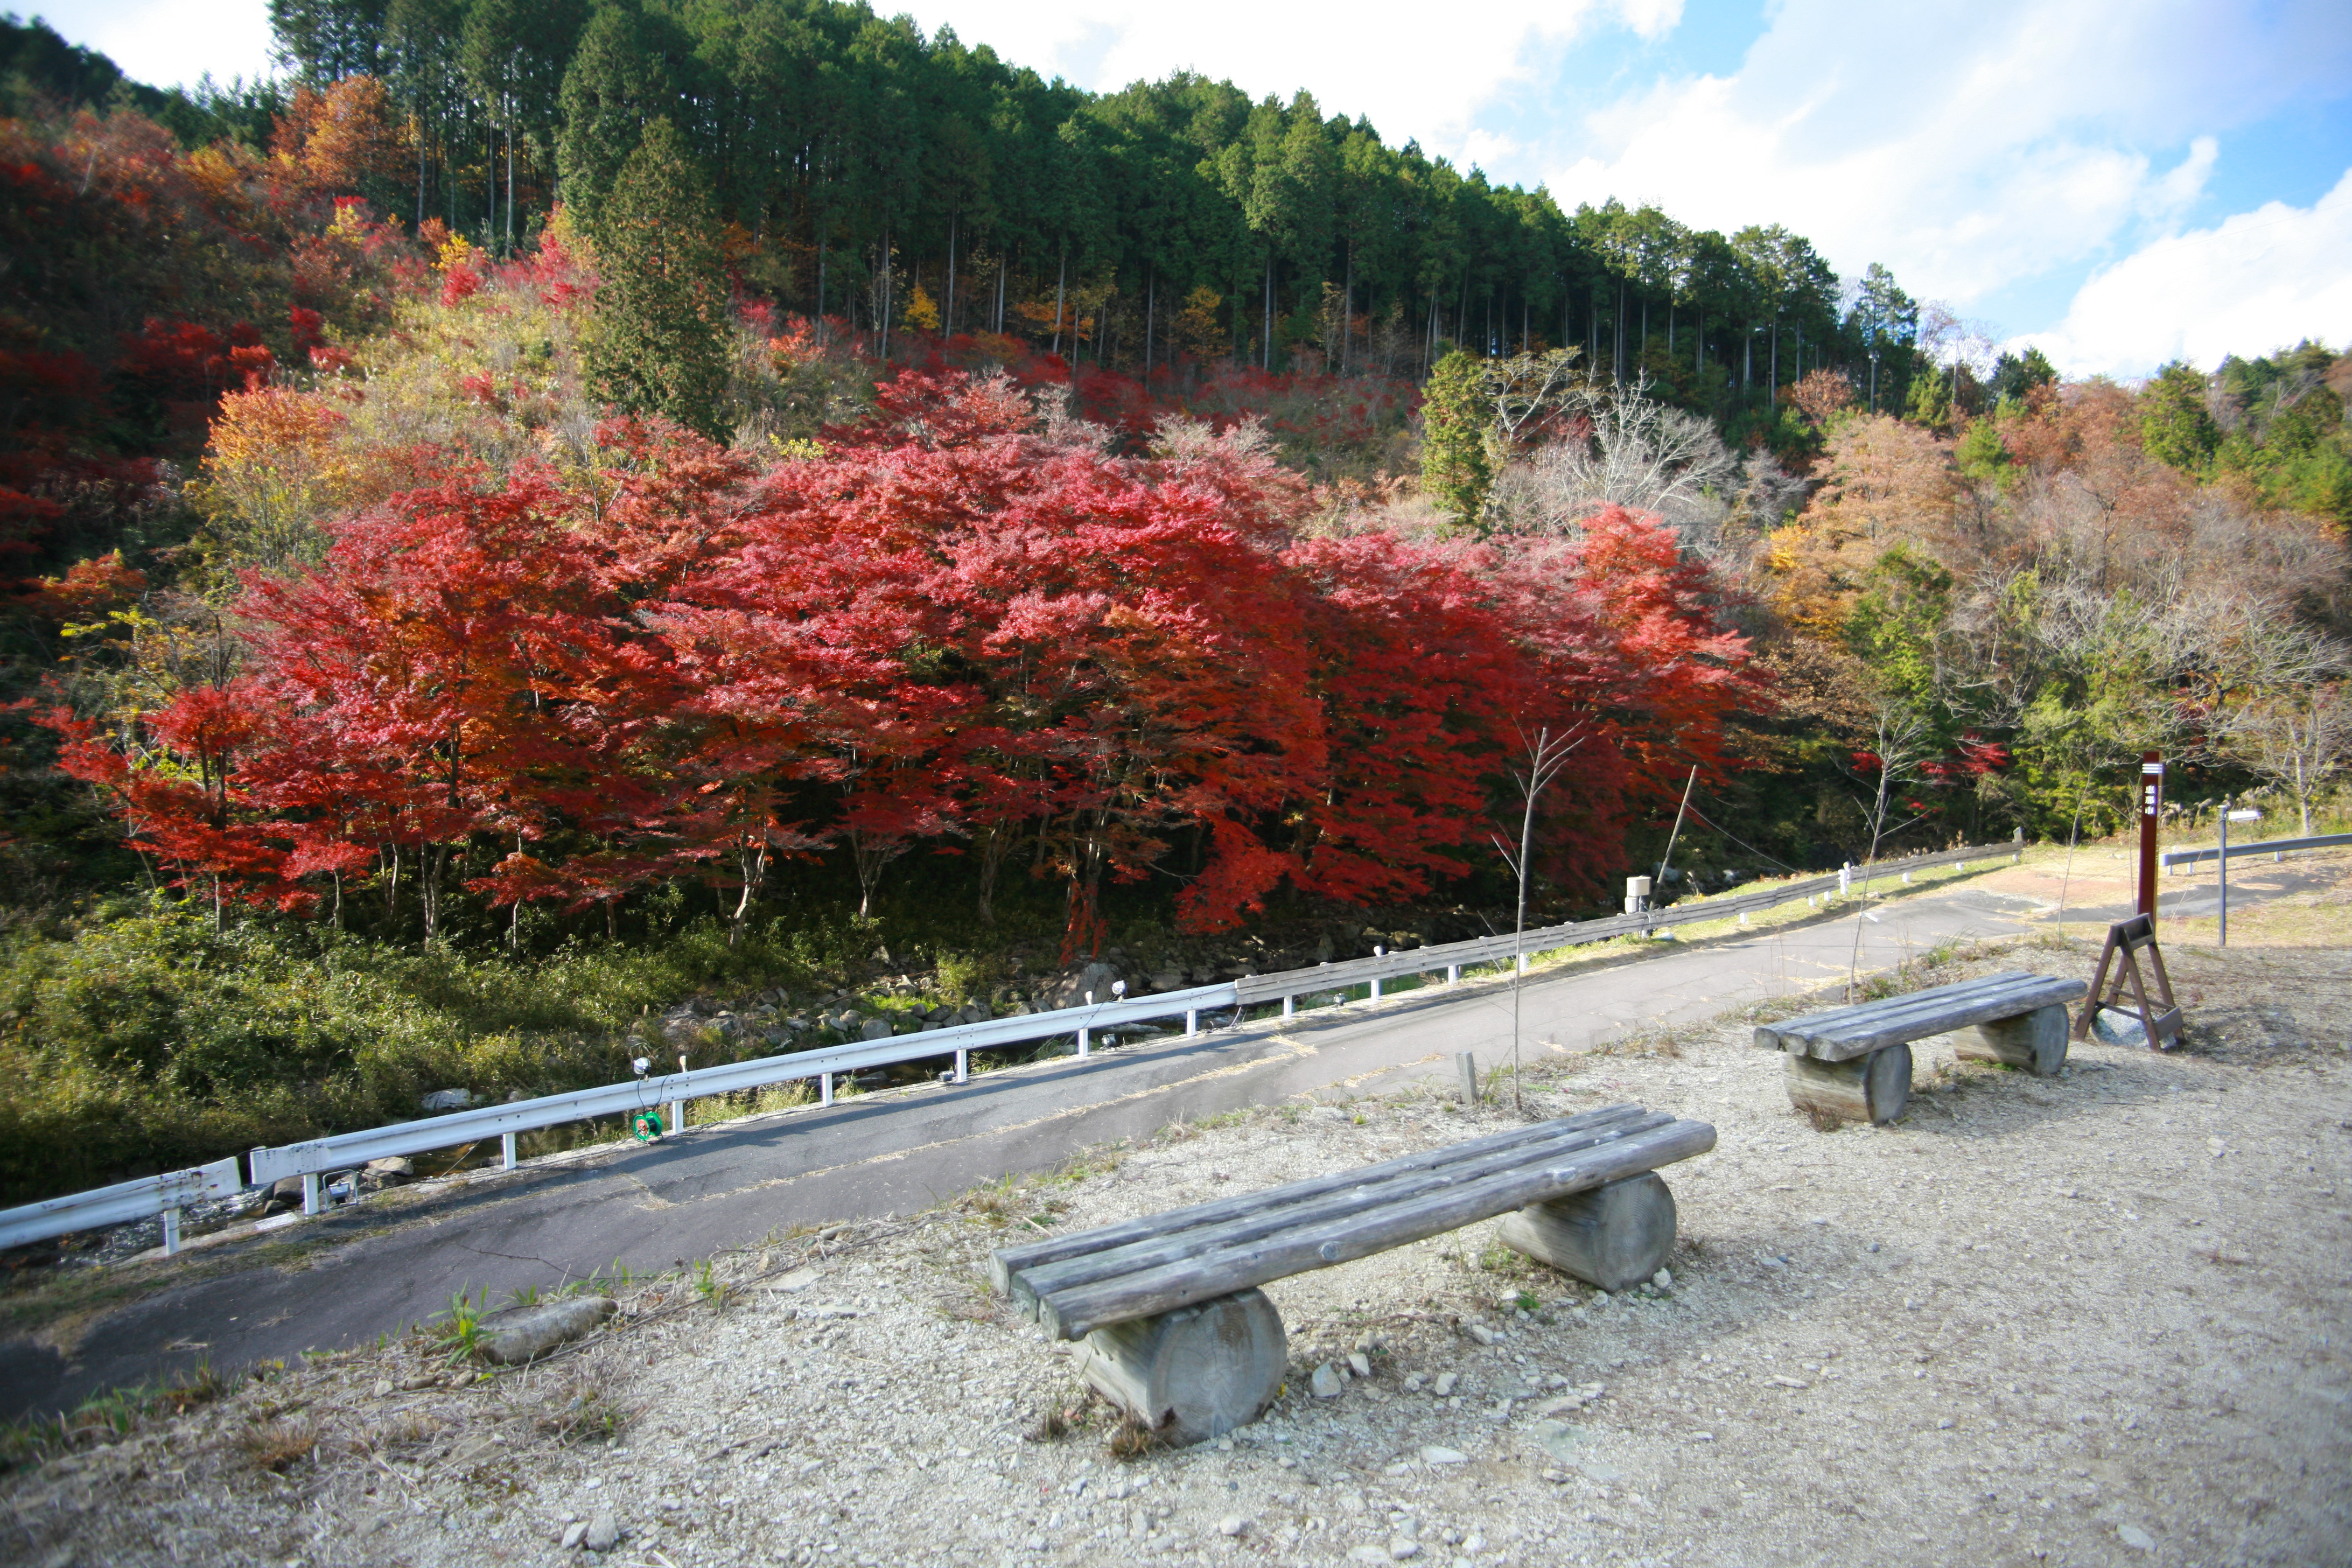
(657,1206)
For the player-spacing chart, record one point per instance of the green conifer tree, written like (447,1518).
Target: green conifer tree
(2176,427)
(1456,410)
(659,344)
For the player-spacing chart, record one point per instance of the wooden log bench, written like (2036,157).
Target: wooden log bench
(1177,1334)
(1855,1063)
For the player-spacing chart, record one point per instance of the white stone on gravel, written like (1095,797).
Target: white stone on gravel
(1402,1547)
(540,1328)
(1326,1383)
(1232,1524)
(1445,1383)
(1359,1364)
(604,1531)
(574,1533)
(1433,1454)
(2132,1536)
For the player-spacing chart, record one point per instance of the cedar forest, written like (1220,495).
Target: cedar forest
(539,512)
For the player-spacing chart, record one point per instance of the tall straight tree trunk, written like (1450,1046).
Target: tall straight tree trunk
(883,314)
(510,206)
(1775,372)
(1265,348)
(420,169)
(1348,308)
(947,319)
(1670,326)
(1617,330)
(822,227)
(1061,285)
(1698,359)
(1150,304)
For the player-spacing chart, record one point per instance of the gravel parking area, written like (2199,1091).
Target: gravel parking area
(2097,1319)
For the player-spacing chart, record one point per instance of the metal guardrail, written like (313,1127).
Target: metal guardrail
(142,1198)
(316,1158)
(2274,847)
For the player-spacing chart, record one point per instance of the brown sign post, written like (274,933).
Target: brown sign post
(2151,803)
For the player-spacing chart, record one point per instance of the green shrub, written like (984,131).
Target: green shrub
(152,1041)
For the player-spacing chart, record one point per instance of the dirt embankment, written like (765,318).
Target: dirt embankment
(2097,1319)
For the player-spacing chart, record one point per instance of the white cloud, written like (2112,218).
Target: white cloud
(2258,281)
(1968,146)
(171,42)
(1413,73)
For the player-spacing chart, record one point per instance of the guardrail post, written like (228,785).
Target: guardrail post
(506,1159)
(310,1203)
(964,1067)
(1523,963)
(1454,975)
(170,1232)
(1845,878)
(1191,1022)
(1083,1042)
(825,1089)
(1289,1005)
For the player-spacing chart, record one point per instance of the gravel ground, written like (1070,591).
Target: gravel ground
(2099,1319)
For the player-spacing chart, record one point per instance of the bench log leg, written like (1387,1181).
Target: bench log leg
(1613,1237)
(2036,1042)
(1872,1089)
(1193,1373)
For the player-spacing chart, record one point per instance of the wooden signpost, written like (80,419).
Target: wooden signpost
(2125,941)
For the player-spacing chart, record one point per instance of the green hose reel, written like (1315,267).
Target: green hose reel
(648,1126)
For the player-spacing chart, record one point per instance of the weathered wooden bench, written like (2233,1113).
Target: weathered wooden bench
(1177,1335)
(1855,1063)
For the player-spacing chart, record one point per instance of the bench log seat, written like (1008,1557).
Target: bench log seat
(1177,1333)
(1855,1063)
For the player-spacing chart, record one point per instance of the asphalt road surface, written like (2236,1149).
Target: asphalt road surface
(383,1264)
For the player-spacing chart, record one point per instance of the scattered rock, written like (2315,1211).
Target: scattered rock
(574,1533)
(1326,1383)
(1402,1548)
(1433,1454)
(1663,1280)
(1359,1364)
(1445,1382)
(604,1531)
(1369,1554)
(876,1029)
(2132,1536)
(399,1168)
(1232,1524)
(383,1387)
(540,1330)
(1483,1335)
(447,1100)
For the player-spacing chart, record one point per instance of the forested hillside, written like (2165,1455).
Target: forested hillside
(554,509)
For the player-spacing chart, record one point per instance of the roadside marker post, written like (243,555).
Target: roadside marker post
(2151,805)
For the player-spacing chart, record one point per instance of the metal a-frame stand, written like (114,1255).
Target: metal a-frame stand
(2125,939)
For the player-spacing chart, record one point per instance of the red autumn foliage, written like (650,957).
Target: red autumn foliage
(960,626)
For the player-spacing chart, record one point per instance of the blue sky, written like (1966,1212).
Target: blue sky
(2119,181)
